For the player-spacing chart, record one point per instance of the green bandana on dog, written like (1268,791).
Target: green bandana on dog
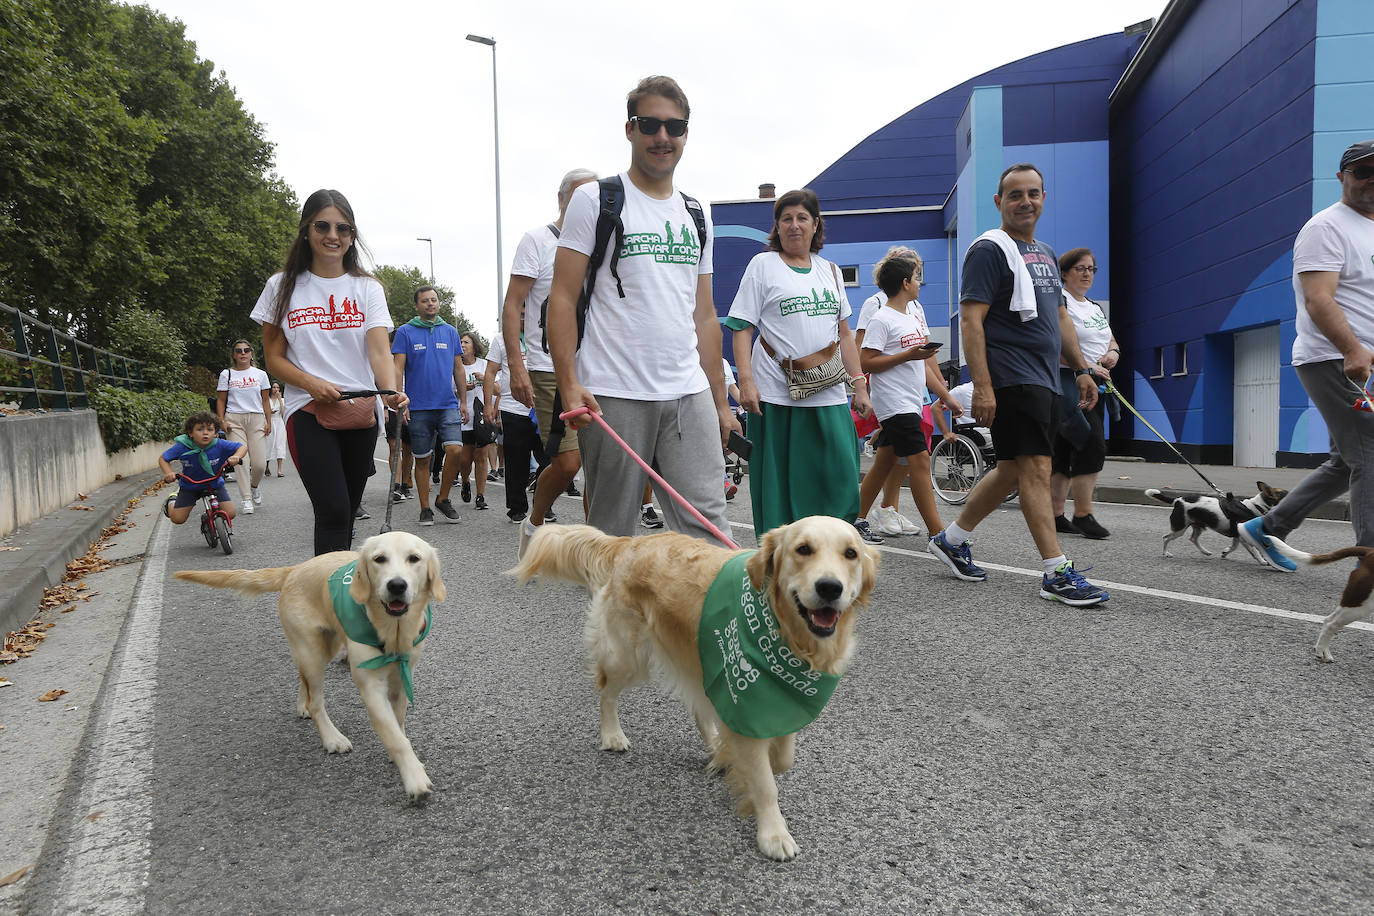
(758,687)
(353,617)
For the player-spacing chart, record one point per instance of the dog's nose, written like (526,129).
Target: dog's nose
(396,586)
(829,588)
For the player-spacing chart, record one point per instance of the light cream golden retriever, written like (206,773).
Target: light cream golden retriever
(396,577)
(646,604)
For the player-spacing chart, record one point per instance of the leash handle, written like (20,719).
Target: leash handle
(654,475)
(367,393)
(1112,388)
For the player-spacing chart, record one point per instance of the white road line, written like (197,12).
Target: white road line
(1136,589)
(105,869)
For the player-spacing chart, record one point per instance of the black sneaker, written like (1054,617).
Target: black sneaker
(1068,586)
(868,534)
(649,518)
(515,517)
(481,502)
(572,489)
(958,559)
(1090,528)
(446,506)
(405,491)
(493,476)
(426,517)
(362,512)
(466,492)
(550,517)
(1064,526)
(398,495)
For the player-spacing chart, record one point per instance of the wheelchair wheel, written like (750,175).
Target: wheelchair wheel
(226,540)
(208,530)
(955,467)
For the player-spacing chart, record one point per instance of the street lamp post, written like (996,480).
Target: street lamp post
(431,257)
(496,143)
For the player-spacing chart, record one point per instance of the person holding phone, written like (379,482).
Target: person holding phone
(901,357)
(806,455)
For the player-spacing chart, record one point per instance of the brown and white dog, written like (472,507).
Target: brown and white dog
(646,605)
(1201,511)
(396,577)
(1354,600)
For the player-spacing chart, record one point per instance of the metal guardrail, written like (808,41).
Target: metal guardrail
(67,362)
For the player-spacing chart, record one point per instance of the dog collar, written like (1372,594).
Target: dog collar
(353,618)
(759,688)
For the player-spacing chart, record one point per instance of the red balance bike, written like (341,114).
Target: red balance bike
(215,523)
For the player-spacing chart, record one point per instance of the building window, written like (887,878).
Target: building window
(1159,363)
(850,275)
(1180,359)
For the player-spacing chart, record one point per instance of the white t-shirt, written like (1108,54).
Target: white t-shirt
(244,389)
(534,259)
(474,374)
(901,389)
(871,305)
(326,329)
(496,356)
(642,347)
(1337,239)
(798,314)
(1094,333)
(964,395)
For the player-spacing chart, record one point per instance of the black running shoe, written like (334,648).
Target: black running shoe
(481,502)
(446,506)
(1064,526)
(1090,527)
(466,492)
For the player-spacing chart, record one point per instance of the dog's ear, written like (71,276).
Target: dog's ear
(1266,491)
(360,589)
(760,565)
(869,563)
(437,591)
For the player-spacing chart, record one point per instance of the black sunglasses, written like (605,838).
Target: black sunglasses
(649,126)
(1361,172)
(322,227)
(243,349)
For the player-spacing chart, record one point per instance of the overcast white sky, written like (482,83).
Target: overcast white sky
(388,103)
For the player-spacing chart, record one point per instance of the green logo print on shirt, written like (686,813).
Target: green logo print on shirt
(686,250)
(813,305)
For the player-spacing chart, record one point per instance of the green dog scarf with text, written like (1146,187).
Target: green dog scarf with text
(758,687)
(353,617)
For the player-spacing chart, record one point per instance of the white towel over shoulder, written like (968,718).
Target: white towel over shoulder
(1022,290)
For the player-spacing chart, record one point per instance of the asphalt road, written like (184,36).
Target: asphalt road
(1177,749)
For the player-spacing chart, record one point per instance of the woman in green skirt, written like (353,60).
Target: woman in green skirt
(805,459)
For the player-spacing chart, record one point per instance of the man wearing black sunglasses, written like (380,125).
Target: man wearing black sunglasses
(649,360)
(1333,355)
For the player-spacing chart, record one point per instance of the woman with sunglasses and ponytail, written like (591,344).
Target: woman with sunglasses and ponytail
(325,330)
(244,406)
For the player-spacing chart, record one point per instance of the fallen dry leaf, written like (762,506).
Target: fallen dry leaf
(6,682)
(14,875)
(82,508)
(11,548)
(8,656)
(81,496)
(68,610)
(51,695)
(94,816)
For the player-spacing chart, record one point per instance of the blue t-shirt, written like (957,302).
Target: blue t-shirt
(217,451)
(1019,352)
(429,364)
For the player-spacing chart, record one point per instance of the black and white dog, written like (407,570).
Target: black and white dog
(1199,511)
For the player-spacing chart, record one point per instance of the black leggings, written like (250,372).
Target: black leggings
(334,465)
(521,441)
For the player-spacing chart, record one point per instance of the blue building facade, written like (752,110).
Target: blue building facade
(1187,155)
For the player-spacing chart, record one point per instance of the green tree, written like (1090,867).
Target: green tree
(401,283)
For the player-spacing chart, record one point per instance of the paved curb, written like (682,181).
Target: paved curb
(48,544)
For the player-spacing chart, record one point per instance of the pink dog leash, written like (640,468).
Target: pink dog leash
(578,411)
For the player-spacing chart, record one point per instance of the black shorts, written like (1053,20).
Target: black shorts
(1090,459)
(903,432)
(393,417)
(1026,422)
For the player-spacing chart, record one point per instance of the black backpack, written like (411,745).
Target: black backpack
(612,194)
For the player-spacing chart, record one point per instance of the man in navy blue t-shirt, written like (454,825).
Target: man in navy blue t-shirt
(1014,327)
(429,361)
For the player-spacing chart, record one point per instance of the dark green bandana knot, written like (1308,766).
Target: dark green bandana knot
(759,688)
(193,449)
(353,618)
(430,325)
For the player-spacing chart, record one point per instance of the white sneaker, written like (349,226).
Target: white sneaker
(247,507)
(908,526)
(257,497)
(888,521)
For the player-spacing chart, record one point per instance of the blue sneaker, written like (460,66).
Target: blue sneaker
(1252,533)
(958,559)
(1068,586)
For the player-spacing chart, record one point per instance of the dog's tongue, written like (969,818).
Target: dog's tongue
(397,606)
(825,617)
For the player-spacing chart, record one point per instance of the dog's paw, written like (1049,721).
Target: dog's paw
(1324,655)
(1168,556)
(302,710)
(614,741)
(778,846)
(420,788)
(336,744)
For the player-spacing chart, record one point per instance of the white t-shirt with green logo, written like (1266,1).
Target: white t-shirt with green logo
(1094,334)
(642,347)
(797,313)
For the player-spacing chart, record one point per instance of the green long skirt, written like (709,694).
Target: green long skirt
(805,462)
